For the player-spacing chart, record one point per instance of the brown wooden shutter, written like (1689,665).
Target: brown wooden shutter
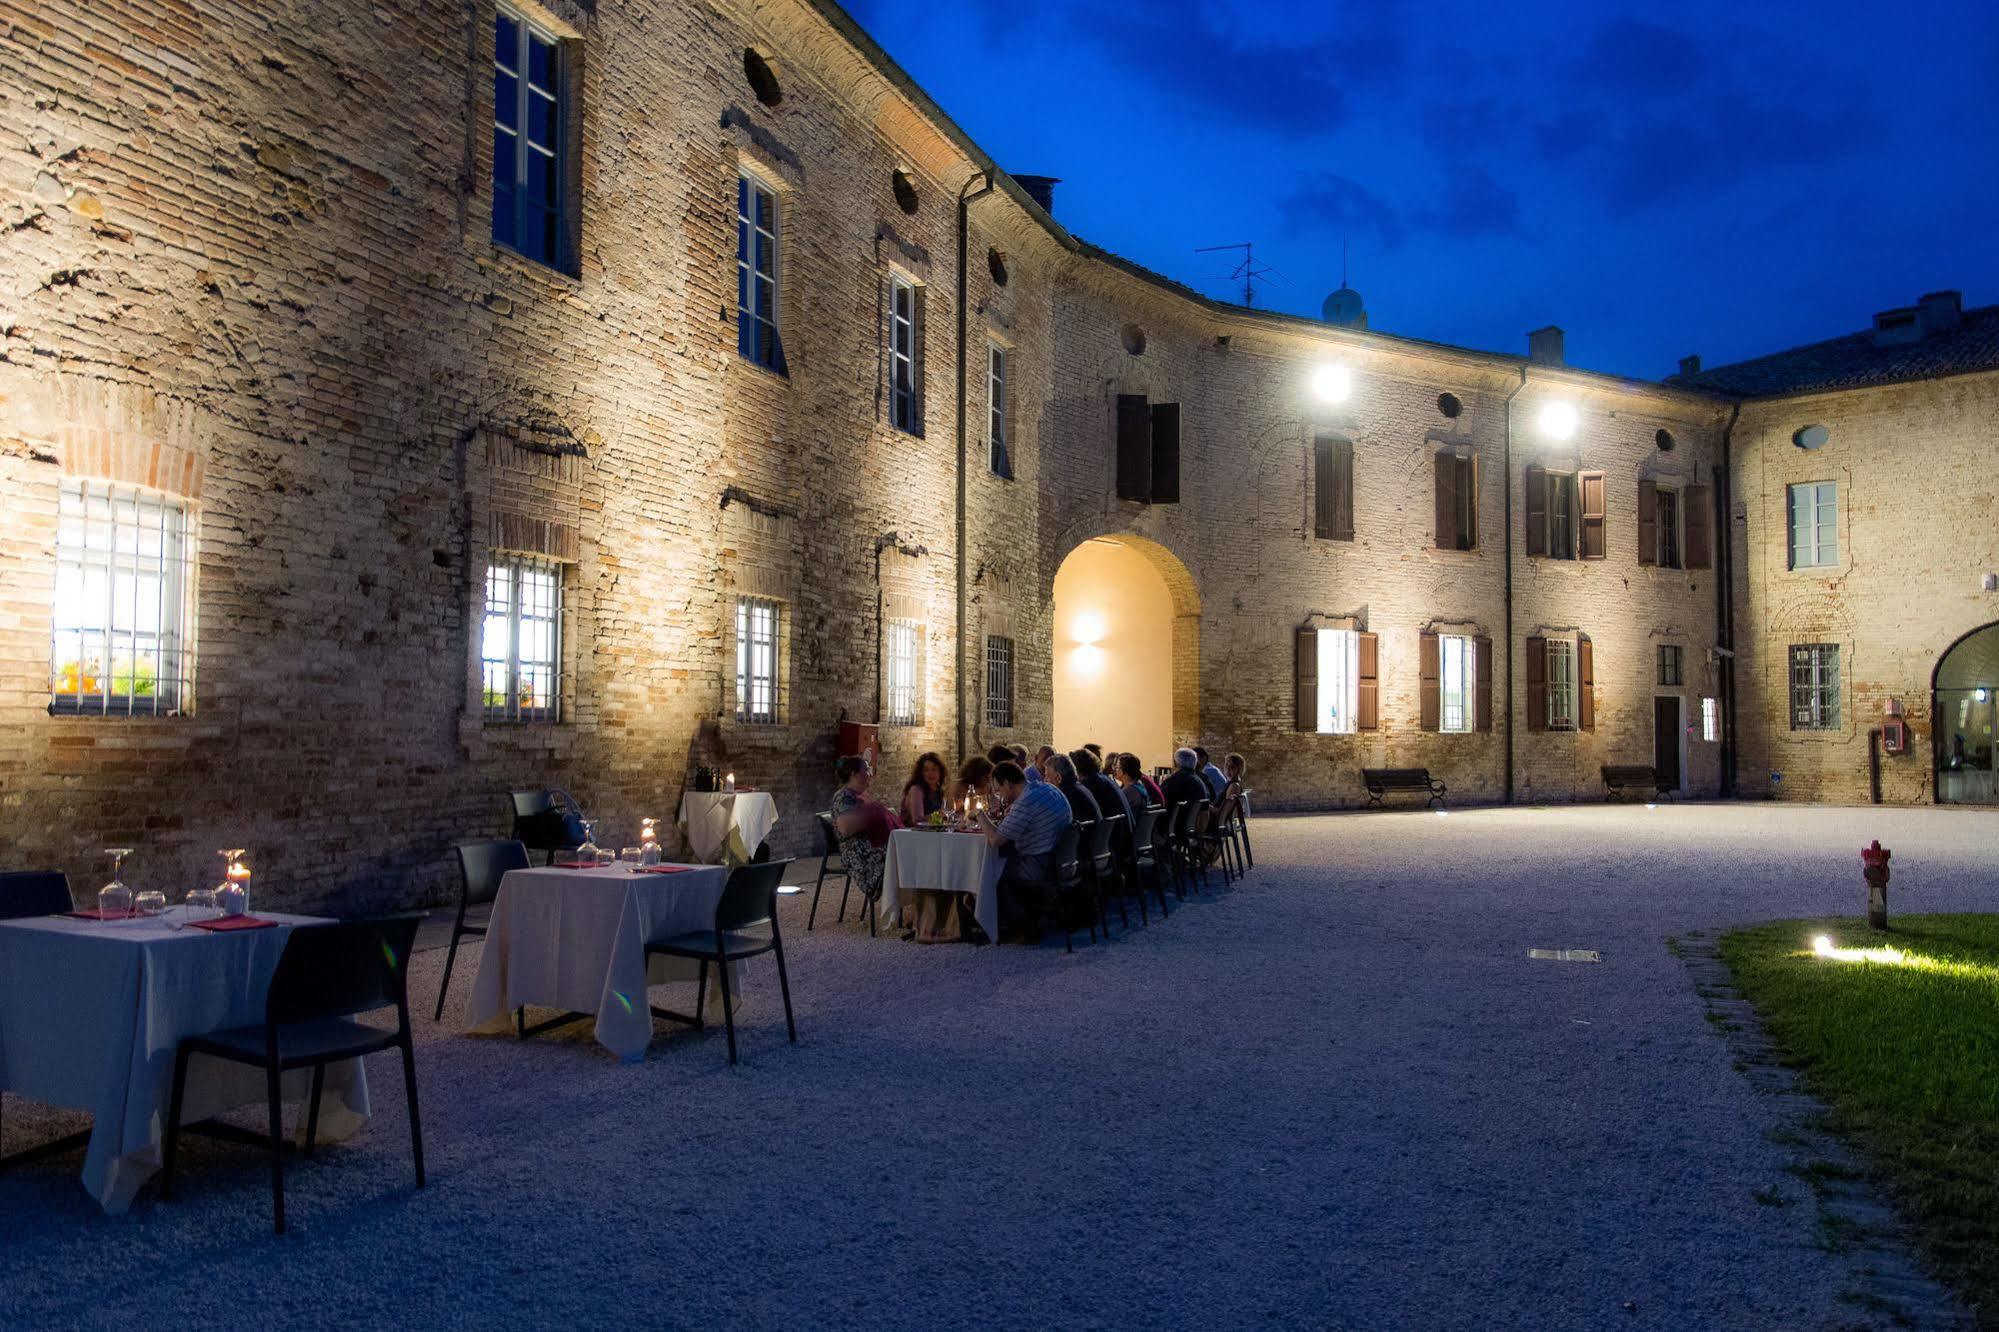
(1468,503)
(1536,489)
(1369,702)
(1134,448)
(1343,495)
(1166,453)
(1332,488)
(1482,669)
(1699,502)
(1447,501)
(1306,675)
(1429,683)
(1648,522)
(1537,684)
(1585,685)
(1590,484)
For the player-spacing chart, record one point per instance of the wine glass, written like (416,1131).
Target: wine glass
(149,903)
(587,853)
(200,904)
(114,899)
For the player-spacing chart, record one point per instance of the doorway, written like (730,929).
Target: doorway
(1667,733)
(1964,711)
(1127,645)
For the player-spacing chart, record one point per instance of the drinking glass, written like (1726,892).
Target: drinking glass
(649,854)
(200,904)
(587,853)
(606,856)
(149,903)
(630,855)
(115,896)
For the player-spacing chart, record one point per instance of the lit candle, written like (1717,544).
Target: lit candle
(729,782)
(238,871)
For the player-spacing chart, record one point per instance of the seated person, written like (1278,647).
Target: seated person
(1035,818)
(923,793)
(1217,782)
(975,779)
(863,824)
(1060,772)
(1131,780)
(1233,767)
(1090,775)
(1184,785)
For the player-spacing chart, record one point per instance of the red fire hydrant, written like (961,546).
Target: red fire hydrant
(1874,866)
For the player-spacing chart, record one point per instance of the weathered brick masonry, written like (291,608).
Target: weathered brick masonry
(249,266)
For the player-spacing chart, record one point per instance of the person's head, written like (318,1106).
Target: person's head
(1129,769)
(1186,758)
(999,754)
(1019,753)
(1234,766)
(928,773)
(1008,779)
(1059,769)
(1043,754)
(1200,756)
(1087,763)
(853,771)
(977,773)
(1096,749)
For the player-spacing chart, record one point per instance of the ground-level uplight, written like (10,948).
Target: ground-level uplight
(1823,946)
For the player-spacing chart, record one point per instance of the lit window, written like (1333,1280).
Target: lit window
(1561,685)
(521,641)
(905,379)
(999,449)
(1814,510)
(1670,666)
(1457,661)
(123,640)
(999,681)
(756,274)
(1710,720)
(527,138)
(1339,681)
(756,660)
(904,649)
(1815,687)
(1666,510)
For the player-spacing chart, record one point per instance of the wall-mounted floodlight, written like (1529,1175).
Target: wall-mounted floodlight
(1332,383)
(1559,420)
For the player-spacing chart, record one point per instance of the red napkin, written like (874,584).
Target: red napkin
(223,923)
(661,869)
(95,914)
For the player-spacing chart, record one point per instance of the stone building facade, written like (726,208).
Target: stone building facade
(420,516)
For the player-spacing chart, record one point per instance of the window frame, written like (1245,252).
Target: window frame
(1669,546)
(1824,518)
(1339,682)
(1815,698)
(902,672)
(171,567)
(514,667)
(999,444)
(1565,505)
(1467,694)
(552,214)
(1000,660)
(1670,666)
(751,709)
(1710,719)
(904,351)
(759,337)
(1563,685)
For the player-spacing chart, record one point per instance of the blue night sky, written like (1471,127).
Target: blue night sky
(1726,179)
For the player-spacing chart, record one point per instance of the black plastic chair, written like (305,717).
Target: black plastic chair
(1183,841)
(748,904)
(538,824)
(327,976)
(1217,840)
(1067,886)
(1242,826)
(481,866)
(830,867)
(1099,855)
(1143,864)
(25,893)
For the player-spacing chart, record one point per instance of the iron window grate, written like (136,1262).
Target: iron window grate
(756,660)
(521,640)
(903,650)
(999,681)
(122,643)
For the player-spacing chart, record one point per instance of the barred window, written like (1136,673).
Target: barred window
(1815,687)
(905,379)
(1710,720)
(1457,662)
(903,650)
(756,274)
(528,107)
(999,449)
(1671,671)
(1339,681)
(1561,685)
(521,642)
(999,681)
(123,640)
(756,660)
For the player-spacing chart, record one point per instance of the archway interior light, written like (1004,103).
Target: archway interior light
(1559,420)
(1087,629)
(1332,383)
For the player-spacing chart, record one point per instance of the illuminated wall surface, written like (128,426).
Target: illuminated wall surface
(1113,653)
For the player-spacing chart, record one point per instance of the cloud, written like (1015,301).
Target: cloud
(1329,203)
(1470,203)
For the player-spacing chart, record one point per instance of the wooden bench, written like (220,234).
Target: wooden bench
(1622,777)
(1380,781)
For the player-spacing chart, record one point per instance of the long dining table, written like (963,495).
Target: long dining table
(942,861)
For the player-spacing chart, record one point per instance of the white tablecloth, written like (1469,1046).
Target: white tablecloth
(92,1012)
(575,939)
(726,827)
(948,861)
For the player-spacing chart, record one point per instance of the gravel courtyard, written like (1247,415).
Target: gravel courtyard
(1341,1095)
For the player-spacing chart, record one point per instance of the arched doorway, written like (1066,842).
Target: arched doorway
(1964,714)
(1127,648)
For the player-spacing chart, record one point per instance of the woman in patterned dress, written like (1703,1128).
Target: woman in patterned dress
(863,824)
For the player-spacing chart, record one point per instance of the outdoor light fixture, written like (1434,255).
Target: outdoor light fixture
(1559,420)
(1332,383)
(1087,630)
(1981,693)
(1823,947)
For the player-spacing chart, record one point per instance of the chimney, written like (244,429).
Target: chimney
(1041,189)
(1940,311)
(1544,346)
(1690,366)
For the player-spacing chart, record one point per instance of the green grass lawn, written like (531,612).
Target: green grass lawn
(1906,1054)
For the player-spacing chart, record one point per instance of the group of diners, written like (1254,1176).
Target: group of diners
(1024,806)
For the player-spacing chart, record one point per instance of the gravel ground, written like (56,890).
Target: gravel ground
(1340,1095)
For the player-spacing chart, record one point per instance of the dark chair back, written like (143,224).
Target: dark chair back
(829,833)
(750,896)
(1096,839)
(343,968)
(1143,826)
(1065,861)
(34,893)
(533,802)
(482,864)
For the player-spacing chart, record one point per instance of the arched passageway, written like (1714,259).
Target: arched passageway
(1964,711)
(1127,648)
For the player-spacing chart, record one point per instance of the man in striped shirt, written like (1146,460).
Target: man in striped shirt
(1035,817)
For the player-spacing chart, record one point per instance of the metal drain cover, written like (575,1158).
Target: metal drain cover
(1565,954)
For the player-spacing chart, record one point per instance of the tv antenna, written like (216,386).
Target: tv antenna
(1248,272)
